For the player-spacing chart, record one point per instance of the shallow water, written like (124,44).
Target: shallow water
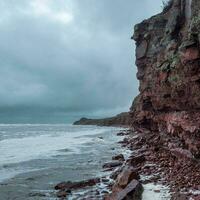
(35,157)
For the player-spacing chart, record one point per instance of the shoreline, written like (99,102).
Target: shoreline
(66,153)
(153,168)
(160,165)
(99,186)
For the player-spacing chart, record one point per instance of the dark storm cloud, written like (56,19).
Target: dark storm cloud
(75,54)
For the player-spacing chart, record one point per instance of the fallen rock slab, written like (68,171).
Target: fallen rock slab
(112,164)
(132,191)
(126,176)
(76,185)
(119,157)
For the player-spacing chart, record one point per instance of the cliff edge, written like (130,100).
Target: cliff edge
(168,63)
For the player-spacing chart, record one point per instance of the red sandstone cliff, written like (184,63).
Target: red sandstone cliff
(168,62)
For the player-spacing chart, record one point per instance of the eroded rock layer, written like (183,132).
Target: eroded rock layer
(168,62)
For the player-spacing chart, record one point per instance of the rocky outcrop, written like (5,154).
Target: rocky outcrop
(168,63)
(122,119)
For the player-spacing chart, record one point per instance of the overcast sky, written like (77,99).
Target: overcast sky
(75,54)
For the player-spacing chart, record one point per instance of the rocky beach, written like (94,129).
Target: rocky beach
(150,171)
(130,175)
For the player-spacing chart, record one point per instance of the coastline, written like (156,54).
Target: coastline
(52,154)
(150,171)
(120,120)
(99,186)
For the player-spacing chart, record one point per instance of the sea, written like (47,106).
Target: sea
(35,157)
(36,153)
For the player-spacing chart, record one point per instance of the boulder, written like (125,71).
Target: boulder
(119,157)
(112,164)
(126,176)
(76,185)
(132,191)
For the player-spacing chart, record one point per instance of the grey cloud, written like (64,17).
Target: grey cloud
(85,64)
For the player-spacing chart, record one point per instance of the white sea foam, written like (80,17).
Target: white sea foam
(25,142)
(155,192)
(10,173)
(42,146)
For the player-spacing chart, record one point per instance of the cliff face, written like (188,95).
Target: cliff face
(168,62)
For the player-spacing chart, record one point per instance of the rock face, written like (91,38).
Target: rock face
(122,119)
(168,62)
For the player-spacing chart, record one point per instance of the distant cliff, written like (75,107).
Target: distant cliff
(168,63)
(122,119)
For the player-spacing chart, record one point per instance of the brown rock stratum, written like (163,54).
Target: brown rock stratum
(168,63)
